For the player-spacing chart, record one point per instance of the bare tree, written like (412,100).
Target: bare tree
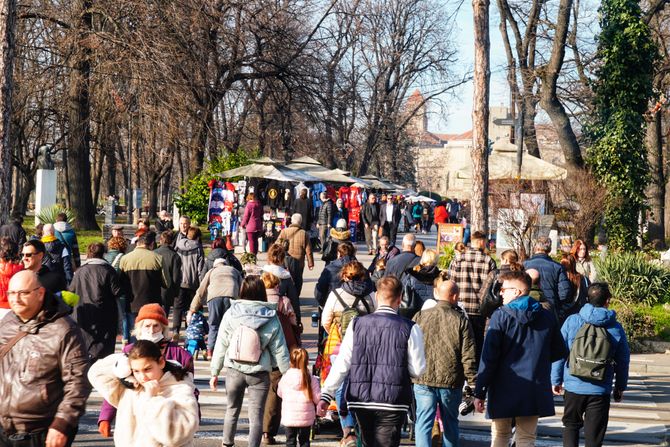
(7,28)
(480,118)
(521,64)
(549,97)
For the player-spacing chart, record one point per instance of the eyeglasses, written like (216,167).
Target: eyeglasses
(29,255)
(21,293)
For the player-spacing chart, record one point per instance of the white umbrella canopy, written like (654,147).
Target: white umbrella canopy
(314,168)
(420,198)
(503,166)
(269,169)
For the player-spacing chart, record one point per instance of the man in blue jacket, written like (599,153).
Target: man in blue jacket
(521,343)
(587,403)
(554,281)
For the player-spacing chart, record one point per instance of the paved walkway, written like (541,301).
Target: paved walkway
(643,418)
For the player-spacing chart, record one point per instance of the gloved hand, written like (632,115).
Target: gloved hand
(104,429)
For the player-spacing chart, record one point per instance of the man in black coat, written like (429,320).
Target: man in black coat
(370,218)
(171,269)
(397,265)
(389,219)
(97,285)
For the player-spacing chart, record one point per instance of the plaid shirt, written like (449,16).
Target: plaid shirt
(470,270)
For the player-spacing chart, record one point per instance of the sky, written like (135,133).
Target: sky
(459,106)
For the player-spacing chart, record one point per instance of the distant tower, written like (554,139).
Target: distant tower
(418,124)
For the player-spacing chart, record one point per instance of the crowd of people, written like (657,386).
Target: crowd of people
(399,338)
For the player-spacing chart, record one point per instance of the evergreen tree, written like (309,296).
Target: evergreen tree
(623,88)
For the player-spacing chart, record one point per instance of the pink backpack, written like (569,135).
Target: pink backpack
(245,345)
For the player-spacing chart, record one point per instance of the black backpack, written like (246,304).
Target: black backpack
(329,252)
(491,299)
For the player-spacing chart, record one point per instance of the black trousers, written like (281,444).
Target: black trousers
(297,436)
(181,304)
(35,439)
(295,267)
(590,412)
(478,323)
(380,428)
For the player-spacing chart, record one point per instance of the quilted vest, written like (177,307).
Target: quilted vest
(379,364)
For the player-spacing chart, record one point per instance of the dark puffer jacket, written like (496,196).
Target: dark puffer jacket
(44,382)
(421,281)
(325,213)
(97,285)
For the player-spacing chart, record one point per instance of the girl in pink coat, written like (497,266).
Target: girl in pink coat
(300,392)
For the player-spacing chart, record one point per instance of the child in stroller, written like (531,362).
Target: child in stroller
(195,335)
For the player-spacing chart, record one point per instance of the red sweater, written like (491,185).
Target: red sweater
(7,270)
(441,215)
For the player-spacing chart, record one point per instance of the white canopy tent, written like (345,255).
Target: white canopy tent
(270,169)
(503,166)
(377,183)
(316,169)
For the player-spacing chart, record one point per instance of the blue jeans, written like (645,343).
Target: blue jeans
(127,319)
(428,398)
(346,421)
(217,307)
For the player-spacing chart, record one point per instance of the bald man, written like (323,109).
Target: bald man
(44,359)
(450,360)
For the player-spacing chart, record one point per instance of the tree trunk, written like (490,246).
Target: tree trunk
(529,133)
(154,182)
(549,98)
(111,170)
(480,118)
(166,190)
(79,154)
(97,176)
(656,191)
(22,193)
(7,28)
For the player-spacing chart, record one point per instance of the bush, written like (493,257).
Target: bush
(48,215)
(446,256)
(193,202)
(636,321)
(633,279)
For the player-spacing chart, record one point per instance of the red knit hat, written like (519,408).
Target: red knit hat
(153,311)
